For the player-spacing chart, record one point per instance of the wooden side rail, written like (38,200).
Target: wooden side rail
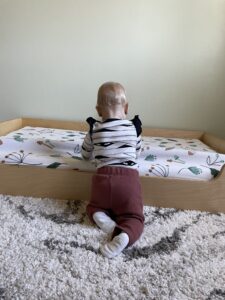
(11,125)
(67,125)
(214,142)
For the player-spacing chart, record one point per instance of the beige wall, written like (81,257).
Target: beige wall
(169,54)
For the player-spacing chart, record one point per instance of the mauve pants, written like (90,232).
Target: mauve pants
(117,192)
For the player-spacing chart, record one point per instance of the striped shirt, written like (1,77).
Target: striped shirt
(114,142)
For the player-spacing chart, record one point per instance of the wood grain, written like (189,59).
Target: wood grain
(71,184)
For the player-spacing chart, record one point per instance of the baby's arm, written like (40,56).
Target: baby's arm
(87,147)
(138,146)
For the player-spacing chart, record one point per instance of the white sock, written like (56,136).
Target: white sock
(104,222)
(116,246)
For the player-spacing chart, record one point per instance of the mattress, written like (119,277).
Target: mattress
(160,157)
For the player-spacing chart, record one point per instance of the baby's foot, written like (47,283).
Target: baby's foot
(104,222)
(116,246)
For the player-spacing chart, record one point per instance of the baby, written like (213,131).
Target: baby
(116,204)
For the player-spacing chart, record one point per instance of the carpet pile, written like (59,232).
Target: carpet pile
(50,250)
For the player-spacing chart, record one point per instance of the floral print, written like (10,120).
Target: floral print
(160,157)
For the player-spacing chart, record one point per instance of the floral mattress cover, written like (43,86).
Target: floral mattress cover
(160,157)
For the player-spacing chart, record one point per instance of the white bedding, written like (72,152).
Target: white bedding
(161,157)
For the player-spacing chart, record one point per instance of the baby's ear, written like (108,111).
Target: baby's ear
(126,109)
(98,110)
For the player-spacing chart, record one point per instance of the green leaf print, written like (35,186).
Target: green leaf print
(176,159)
(76,157)
(54,165)
(18,138)
(214,172)
(150,157)
(193,170)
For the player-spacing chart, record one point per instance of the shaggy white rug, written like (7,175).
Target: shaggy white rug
(49,250)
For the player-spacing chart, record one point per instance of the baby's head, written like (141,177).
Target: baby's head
(111,101)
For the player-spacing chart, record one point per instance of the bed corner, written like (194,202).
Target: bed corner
(10,125)
(214,142)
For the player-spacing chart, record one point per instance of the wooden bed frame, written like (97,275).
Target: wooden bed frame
(70,184)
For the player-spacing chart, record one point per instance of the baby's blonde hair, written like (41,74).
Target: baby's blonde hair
(110,94)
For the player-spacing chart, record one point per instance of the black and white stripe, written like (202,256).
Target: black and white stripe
(113,142)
